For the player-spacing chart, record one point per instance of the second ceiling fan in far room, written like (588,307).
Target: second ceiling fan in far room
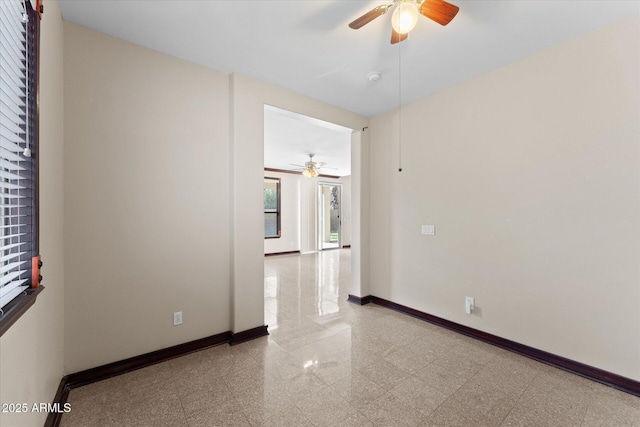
(310,168)
(406,14)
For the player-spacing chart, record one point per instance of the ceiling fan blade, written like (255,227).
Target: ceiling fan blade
(320,164)
(370,16)
(300,166)
(439,11)
(396,37)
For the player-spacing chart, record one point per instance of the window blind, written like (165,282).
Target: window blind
(18,182)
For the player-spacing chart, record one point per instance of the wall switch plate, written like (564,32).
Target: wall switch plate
(429,230)
(177,318)
(469,304)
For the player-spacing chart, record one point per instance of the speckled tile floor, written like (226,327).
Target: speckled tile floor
(331,363)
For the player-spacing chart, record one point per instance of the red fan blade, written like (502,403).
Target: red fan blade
(396,37)
(439,11)
(369,16)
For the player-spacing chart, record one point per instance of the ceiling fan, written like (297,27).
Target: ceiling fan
(310,168)
(406,15)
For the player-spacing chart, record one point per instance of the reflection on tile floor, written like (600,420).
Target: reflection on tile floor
(331,363)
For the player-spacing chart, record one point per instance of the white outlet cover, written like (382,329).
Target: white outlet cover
(429,230)
(469,304)
(177,318)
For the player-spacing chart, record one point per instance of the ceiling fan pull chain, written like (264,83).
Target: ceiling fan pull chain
(399,109)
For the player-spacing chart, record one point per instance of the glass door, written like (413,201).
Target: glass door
(329,216)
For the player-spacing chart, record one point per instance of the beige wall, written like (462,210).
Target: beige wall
(146,200)
(361,201)
(31,351)
(531,175)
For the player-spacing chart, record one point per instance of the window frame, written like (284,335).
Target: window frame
(278,211)
(13,310)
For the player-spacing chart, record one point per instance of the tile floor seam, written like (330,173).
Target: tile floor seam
(586,410)
(184,413)
(437,407)
(518,399)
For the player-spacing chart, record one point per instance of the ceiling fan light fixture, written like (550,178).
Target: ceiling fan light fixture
(405,17)
(310,172)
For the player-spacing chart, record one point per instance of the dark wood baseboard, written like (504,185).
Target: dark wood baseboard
(62,394)
(78,379)
(250,334)
(596,374)
(283,253)
(358,300)
(120,367)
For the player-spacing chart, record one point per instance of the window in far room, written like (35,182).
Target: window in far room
(271,208)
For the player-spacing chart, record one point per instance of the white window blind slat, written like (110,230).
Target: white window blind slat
(9,116)
(11,145)
(11,265)
(17,96)
(11,196)
(7,186)
(11,236)
(10,277)
(13,138)
(8,165)
(15,67)
(7,137)
(9,175)
(14,245)
(12,65)
(14,292)
(12,122)
(11,42)
(15,31)
(17,63)
(11,286)
(11,90)
(5,227)
(16,6)
(9,11)
(8,155)
(16,105)
(8,129)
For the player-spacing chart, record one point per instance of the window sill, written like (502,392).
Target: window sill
(16,308)
(272,237)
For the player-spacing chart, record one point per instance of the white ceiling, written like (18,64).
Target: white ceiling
(290,138)
(307,46)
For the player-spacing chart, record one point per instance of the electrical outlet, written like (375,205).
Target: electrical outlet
(177,318)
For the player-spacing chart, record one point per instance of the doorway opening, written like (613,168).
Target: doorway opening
(315,212)
(329,216)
